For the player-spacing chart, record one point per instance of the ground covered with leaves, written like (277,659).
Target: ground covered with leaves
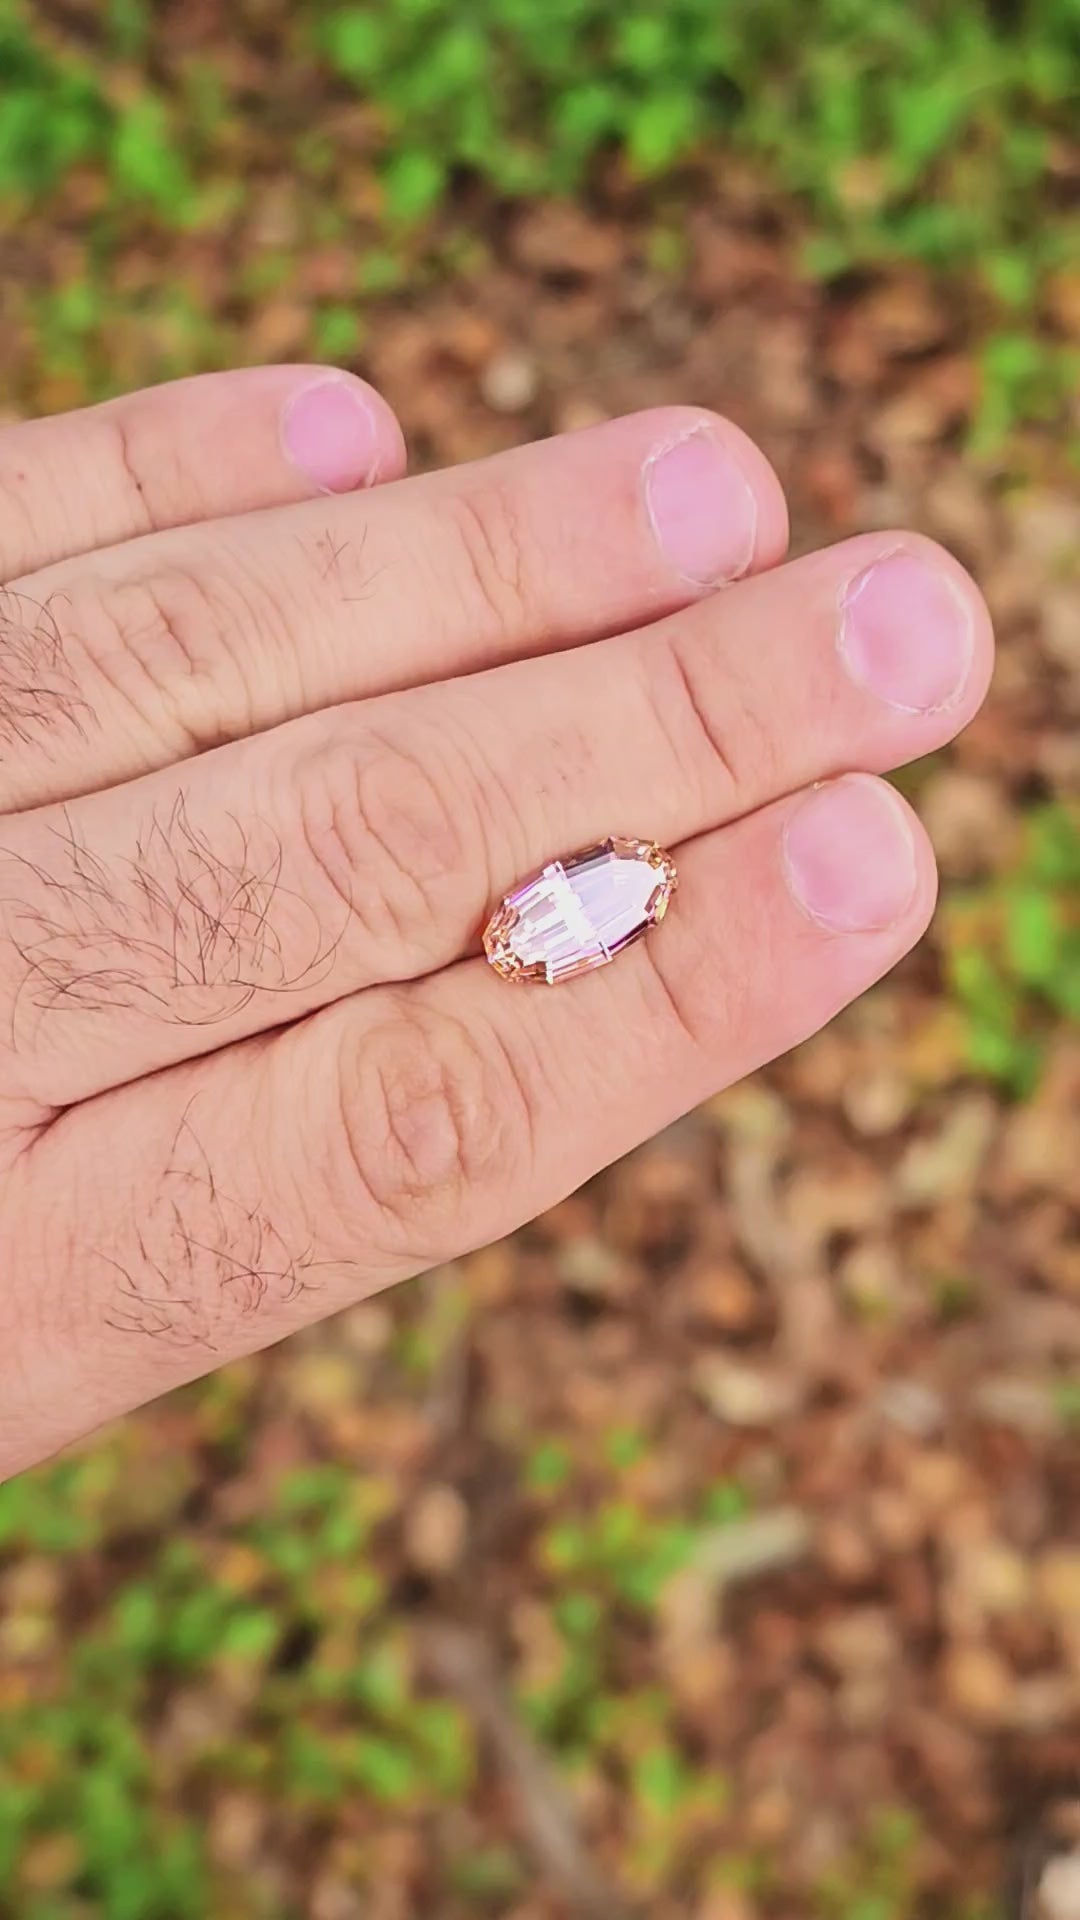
(710,1549)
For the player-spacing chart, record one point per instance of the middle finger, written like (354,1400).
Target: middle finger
(144,653)
(153,922)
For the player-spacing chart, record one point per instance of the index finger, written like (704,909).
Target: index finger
(195,449)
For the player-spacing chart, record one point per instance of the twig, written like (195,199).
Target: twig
(461,1661)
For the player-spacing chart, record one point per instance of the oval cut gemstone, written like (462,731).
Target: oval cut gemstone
(578,913)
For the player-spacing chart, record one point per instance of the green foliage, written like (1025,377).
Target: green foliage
(726,1501)
(620,1553)
(54,115)
(549,1467)
(628,1551)
(56,1511)
(925,132)
(1013,953)
(527,95)
(289,1611)
(618,1556)
(1023,378)
(146,162)
(664,1782)
(675,1803)
(336,333)
(58,114)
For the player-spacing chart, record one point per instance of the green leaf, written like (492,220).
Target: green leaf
(578,1615)
(662,1782)
(925,120)
(384,1768)
(549,1467)
(146,162)
(1003,1057)
(644,42)
(355,40)
(381,1682)
(1033,935)
(566,1546)
(1054,842)
(251,1634)
(662,129)
(587,114)
(442,1739)
(413,183)
(137,1617)
(1012,277)
(727,1501)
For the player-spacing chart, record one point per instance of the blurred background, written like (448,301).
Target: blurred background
(712,1548)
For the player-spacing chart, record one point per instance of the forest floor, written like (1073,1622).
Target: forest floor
(711,1548)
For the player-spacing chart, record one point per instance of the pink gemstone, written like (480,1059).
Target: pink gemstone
(579,913)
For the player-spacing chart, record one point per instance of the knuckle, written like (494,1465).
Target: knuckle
(380,824)
(493,554)
(147,462)
(730,741)
(153,640)
(432,1130)
(190,650)
(686,707)
(166,621)
(682,999)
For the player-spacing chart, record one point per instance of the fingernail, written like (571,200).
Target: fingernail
(328,432)
(849,856)
(905,634)
(702,509)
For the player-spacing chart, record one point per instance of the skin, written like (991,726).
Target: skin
(271,751)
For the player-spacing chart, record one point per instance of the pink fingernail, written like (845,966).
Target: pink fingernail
(849,857)
(328,432)
(906,635)
(702,509)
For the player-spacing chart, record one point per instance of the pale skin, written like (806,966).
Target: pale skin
(278,727)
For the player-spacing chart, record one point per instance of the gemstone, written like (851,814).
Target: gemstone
(578,913)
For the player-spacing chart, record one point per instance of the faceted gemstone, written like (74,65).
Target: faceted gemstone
(579,913)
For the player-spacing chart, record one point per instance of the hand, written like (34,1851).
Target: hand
(272,749)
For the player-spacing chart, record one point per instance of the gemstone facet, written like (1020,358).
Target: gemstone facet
(578,913)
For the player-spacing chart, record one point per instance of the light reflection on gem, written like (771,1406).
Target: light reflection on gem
(578,913)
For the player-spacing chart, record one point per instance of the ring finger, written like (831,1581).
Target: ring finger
(196,906)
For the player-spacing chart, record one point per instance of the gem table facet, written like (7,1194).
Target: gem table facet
(580,912)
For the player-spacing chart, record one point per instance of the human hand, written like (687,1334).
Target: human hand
(272,749)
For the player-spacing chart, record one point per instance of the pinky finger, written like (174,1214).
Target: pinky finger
(215,444)
(209,1210)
